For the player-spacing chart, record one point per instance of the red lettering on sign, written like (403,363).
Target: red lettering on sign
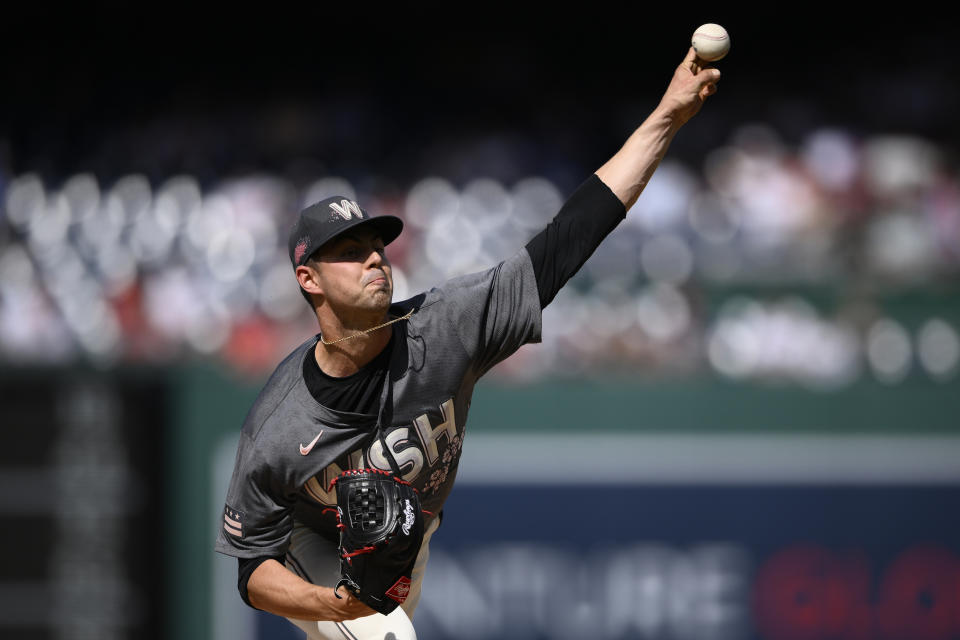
(807,592)
(919,595)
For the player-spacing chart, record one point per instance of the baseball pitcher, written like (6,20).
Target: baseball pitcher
(351,448)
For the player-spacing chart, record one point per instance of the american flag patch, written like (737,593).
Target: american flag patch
(233,521)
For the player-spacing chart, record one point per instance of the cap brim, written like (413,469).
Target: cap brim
(387,227)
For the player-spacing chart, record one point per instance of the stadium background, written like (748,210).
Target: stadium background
(742,420)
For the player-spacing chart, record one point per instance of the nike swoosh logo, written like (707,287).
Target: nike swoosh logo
(304,450)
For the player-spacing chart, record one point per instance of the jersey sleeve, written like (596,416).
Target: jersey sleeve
(258,514)
(496,311)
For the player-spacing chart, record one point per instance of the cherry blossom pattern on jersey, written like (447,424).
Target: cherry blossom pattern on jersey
(439,476)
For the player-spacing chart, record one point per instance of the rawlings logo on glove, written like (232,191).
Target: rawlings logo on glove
(409,519)
(381,530)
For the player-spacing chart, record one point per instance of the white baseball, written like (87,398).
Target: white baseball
(711,42)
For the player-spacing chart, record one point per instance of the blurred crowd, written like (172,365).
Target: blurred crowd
(766,260)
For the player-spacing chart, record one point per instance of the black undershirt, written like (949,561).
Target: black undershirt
(585,219)
(557,253)
(358,392)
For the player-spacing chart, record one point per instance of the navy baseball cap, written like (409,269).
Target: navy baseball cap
(325,220)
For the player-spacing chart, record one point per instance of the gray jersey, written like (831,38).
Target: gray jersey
(291,447)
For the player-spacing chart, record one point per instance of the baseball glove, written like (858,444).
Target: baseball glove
(381,528)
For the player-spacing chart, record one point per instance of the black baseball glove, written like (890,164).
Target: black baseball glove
(381,529)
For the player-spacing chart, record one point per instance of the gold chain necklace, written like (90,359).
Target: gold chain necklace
(366,331)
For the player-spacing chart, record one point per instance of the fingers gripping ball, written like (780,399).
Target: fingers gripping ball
(711,42)
(381,530)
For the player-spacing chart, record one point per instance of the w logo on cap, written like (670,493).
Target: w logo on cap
(346,209)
